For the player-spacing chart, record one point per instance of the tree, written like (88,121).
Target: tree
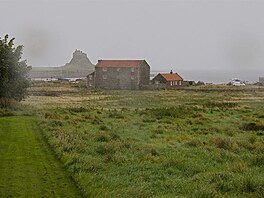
(13,71)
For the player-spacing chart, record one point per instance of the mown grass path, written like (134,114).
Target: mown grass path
(28,168)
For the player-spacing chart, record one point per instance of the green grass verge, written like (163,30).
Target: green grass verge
(28,168)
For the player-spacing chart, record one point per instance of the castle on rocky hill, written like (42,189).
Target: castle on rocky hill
(79,67)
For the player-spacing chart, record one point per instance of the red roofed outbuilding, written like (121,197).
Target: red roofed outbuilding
(120,74)
(170,79)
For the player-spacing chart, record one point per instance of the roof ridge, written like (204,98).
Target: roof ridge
(120,63)
(170,77)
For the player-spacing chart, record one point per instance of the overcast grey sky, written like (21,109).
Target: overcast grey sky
(182,35)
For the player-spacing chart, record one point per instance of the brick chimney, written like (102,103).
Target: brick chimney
(171,72)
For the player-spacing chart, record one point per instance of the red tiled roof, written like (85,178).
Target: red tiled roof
(119,63)
(171,77)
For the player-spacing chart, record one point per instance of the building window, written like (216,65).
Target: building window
(90,77)
(104,69)
(132,69)
(171,83)
(104,77)
(180,83)
(176,82)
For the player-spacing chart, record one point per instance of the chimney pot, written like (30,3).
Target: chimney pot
(171,72)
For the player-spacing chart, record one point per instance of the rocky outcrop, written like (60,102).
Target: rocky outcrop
(80,57)
(79,67)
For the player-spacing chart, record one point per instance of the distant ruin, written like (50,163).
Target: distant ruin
(79,67)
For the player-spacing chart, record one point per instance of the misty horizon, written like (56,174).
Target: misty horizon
(213,40)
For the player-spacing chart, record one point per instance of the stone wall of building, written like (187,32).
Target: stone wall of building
(117,78)
(122,77)
(144,72)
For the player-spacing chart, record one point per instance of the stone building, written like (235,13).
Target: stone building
(169,79)
(119,74)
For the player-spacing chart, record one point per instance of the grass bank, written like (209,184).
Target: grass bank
(28,168)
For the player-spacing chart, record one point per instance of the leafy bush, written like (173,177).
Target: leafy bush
(7,103)
(5,112)
(13,72)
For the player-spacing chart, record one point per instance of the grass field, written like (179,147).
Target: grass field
(205,142)
(28,168)
(158,143)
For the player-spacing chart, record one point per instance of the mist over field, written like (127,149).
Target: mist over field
(211,41)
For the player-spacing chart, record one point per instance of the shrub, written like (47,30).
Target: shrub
(5,112)
(6,103)
(14,79)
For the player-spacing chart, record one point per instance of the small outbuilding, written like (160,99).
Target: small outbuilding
(170,79)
